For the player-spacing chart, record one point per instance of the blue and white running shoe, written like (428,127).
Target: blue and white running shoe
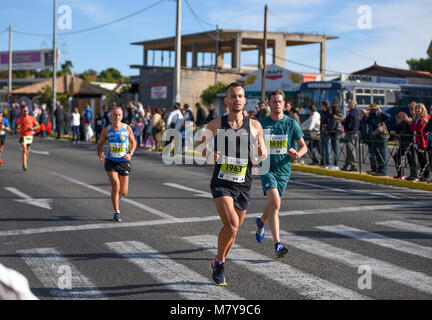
(116,217)
(260,230)
(280,250)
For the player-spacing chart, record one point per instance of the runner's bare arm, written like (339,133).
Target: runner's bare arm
(257,133)
(212,127)
(302,150)
(36,125)
(133,143)
(100,144)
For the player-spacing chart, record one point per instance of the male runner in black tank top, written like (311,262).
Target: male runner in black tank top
(232,180)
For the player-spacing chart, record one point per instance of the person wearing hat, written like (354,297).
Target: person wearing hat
(262,111)
(4,126)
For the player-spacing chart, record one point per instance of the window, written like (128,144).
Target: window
(363,99)
(367,91)
(379,100)
(358,90)
(375,91)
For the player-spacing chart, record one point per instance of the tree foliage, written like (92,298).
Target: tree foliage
(420,64)
(209,94)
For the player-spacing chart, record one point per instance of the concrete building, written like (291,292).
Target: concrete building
(156,82)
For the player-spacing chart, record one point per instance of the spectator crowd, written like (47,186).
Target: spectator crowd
(324,128)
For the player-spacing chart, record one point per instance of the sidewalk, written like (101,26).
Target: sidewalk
(362,177)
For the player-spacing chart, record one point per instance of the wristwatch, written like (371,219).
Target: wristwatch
(131,153)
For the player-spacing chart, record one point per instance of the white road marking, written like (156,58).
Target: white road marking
(42,203)
(380,240)
(53,271)
(198,193)
(413,279)
(39,152)
(411,227)
(307,285)
(350,191)
(97,226)
(129,201)
(174,276)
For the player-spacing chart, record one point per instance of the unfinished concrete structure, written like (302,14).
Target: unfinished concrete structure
(195,78)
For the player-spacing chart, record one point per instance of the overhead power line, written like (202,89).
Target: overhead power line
(91,28)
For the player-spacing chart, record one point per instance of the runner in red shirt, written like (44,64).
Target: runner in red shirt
(25,125)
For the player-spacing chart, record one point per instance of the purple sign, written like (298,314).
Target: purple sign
(22,57)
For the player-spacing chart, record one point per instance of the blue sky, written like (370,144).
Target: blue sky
(400,29)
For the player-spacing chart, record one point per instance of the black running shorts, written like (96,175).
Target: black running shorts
(2,140)
(241,199)
(122,168)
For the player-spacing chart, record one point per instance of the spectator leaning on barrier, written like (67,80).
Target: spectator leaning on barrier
(351,127)
(417,126)
(311,128)
(403,132)
(378,137)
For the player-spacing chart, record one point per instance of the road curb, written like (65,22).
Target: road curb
(362,177)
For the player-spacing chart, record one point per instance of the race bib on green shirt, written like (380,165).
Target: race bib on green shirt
(277,144)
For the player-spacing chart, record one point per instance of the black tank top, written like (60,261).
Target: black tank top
(234,171)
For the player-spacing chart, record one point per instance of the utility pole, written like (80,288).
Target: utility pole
(54,89)
(177,70)
(216,53)
(10,67)
(264,70)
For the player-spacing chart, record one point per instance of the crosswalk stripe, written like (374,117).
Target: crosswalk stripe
(60,276)
(380,240)
(309,286)
(406,226)
(413,279)
(185,282)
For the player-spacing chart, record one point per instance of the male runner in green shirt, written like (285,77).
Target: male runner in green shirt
(284,131)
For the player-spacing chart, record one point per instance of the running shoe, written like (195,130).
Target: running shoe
(116,217)
(280,250)
(1,163)
(25,167)
(260,230)
(218,273)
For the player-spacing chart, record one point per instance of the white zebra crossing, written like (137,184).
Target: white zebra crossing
(177,277)
(380,240)
(58,275)
(411,227)
(309,286)
(413,279)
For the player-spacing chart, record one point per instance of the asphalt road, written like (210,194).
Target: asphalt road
(346,239)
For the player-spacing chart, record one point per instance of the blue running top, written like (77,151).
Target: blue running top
(118,144)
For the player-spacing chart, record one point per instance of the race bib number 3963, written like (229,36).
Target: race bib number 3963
(233,169)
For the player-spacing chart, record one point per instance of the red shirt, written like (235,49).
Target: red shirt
(419,135)
(27,123)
